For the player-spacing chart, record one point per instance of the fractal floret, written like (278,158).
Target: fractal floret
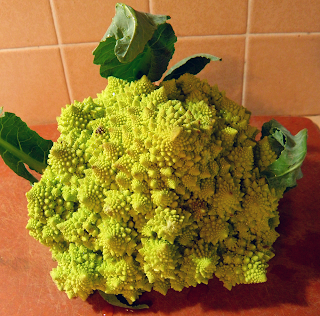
(155,187)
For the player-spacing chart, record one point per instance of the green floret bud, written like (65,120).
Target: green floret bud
(265,156)
(160,259)
(120,275)
(213,231)
(173,92)
(167,223)
(116,238)
(199,263)
(77,272)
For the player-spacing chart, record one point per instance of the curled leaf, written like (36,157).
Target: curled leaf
(134,45)
(20,146)
(291,150)
(192,64)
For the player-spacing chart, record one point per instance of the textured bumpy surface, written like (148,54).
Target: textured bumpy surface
(154,188)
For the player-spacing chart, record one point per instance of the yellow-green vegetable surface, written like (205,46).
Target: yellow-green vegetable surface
(155,187)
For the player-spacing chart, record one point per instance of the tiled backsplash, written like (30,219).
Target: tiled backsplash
(270,51)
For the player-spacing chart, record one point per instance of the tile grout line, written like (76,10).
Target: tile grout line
(46,46)
(246,48)
(56,27)
(247,34)
(253,34)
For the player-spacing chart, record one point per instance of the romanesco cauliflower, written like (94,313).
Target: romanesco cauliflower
(155,187)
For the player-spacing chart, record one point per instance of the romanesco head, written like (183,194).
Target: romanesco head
(154,187)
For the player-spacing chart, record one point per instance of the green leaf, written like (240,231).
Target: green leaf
(134,45)
(159,51)
(192,64)
(132,30)
(114,300)
(286,170)
(19,145)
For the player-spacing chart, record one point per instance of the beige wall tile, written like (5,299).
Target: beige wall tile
(84,78)
(204,17)
(228,73)
(283,75)
(285,16)
(26,23)
(33,84)
(81,21)
(315,119)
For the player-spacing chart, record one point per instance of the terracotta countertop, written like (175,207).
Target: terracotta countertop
(293,286)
